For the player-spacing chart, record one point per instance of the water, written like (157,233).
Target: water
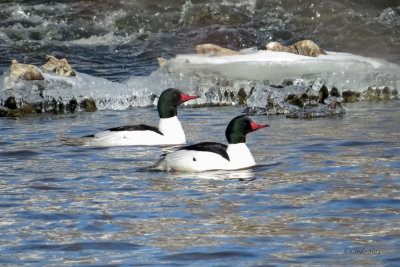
(323,191)
(117,40)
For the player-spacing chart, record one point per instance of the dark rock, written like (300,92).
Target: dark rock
(24,110)
(395,94)
(287,82)
(72,105)
(350,96)
(380,94)
(4,111)
(335,92)
(370,95)
(57,107)
(226,94)
(334,109)
(302,100)
(323,94)
(11,103)
(89,105)
(296,100)
(232,95)
(242,96)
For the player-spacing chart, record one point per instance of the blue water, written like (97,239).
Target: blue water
(324,192)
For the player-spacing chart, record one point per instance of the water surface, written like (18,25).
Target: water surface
(325,191)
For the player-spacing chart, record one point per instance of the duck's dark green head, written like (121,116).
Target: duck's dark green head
(169,100)
(238,128)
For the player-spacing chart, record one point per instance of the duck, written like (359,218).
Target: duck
(208,156)
(168,132)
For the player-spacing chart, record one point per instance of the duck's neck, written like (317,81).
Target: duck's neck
(240,155)
(172,128)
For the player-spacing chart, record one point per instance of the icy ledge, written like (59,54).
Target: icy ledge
(340,70)
(264,81)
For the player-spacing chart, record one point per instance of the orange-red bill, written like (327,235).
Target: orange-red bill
(185,98)
(255,126)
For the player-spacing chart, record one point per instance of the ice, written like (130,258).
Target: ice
(107,94)
(341,70)
(259,79)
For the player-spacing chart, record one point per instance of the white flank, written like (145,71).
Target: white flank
(195,161)
(171,128)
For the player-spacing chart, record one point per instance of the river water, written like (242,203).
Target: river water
(324,192)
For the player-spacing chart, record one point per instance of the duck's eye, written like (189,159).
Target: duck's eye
(194,159)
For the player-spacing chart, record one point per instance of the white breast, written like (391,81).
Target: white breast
(240,156)
(172,130)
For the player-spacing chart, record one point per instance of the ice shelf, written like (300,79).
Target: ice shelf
(218,80)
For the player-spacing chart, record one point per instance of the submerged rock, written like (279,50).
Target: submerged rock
(72,105)
(25,72)
(24,110)
(350,96)
(11,103)
(300,102)
(308,98)
(335,92)
(380,94)
(323,94)
(334,109)
(58,66)
(242,96)
(89,105)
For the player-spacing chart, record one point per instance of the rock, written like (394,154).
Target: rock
(304,47)
(89,105)
(297,100)
(25,109)
(350,96)
(3,111)
(72,105)
(277,47)
(215,50)
(58,66)
(11,103)
(334,109)
(25,71)
(242,96)
(307,48)
(380,94)
(335,92)
(323,94)
(161,61)
(302,100)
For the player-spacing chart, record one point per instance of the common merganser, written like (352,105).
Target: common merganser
(214,156)
(169,131)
